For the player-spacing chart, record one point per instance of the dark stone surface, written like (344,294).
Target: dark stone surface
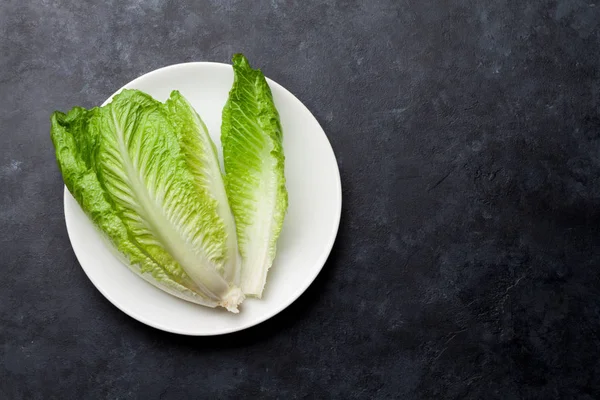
(467,262)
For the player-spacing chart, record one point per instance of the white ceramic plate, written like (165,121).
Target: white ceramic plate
(309,230)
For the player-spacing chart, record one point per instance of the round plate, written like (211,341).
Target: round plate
(308,233)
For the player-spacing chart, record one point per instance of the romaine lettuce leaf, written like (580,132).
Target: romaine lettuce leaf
(201,157)
(253,157)
(125,166)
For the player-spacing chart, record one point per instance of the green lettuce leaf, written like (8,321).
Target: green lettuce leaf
(201,157)
(253,157)
(125,166)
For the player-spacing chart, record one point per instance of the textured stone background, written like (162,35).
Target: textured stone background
(467,262)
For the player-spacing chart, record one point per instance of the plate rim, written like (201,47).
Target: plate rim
(265,316)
